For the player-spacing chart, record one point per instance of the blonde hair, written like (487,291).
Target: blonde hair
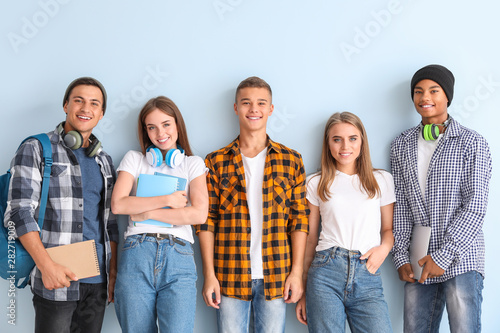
(364,167)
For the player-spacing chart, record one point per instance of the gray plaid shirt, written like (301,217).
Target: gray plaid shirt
(63,222)
(455,200)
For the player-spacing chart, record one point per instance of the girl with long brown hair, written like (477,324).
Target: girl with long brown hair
(156,282)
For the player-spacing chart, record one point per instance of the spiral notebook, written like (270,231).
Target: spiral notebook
(80,258)
(155,185)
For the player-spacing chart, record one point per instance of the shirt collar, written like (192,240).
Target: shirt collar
(452,130)
(234,147)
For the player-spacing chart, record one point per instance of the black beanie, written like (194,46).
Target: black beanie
(436,73)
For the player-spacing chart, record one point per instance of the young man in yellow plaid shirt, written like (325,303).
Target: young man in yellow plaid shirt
(253,242)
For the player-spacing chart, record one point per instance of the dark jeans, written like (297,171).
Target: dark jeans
(85,315)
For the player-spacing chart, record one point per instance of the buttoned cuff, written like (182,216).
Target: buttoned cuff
(400,259)
(207,226)
(443,258)
(22,227)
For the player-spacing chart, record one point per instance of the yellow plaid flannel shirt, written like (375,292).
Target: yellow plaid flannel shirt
(284,211)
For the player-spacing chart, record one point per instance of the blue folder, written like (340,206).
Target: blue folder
(155,185)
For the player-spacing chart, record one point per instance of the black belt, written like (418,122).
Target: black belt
(160,237)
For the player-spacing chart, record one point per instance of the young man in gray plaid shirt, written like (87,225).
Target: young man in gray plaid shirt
(78,209)
(441,172)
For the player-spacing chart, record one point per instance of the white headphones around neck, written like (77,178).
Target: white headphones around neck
(173,158)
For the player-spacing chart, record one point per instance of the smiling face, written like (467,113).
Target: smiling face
(253,106)
(344,141)
(430,102)
(83,110)
(162,130)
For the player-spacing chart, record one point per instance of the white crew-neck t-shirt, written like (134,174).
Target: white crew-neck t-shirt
(350,219)
(135,163)
(424,154)
(254,177)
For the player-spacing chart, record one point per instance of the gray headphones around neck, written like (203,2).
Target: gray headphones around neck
(74,140)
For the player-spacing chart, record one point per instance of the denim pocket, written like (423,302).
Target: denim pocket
(320,258)
(186,249)
(377,273)
(131,242)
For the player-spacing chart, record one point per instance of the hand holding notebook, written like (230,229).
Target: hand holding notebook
(80,258)
(156,185)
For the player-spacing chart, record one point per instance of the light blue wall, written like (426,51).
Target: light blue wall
(319,57)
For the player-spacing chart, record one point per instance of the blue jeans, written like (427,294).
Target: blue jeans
(424,304)
(339,287)
(233,315)
(156,282)
(84,315)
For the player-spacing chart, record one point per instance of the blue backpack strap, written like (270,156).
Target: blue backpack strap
(47,160)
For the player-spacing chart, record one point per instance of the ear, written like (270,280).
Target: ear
(65,107)
(271,109)
(235,109)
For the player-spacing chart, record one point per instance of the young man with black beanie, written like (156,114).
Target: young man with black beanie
(441,172)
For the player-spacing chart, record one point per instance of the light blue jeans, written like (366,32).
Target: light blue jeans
(339,287)
(156,282)
(424,304)
(233,315)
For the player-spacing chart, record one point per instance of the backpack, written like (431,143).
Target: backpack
(15,262)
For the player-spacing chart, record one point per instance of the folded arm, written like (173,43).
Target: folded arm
(143,208)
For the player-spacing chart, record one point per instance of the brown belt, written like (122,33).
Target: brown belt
(160,237)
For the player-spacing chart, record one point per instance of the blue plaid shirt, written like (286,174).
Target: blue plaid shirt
(63,222)
(456,196)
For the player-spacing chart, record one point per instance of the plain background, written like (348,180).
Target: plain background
(319,57)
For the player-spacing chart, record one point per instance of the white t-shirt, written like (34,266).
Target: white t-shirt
(254,177)
(135,163)
(349,219)
(424,155)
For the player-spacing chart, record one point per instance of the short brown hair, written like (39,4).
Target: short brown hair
(86,81)
(167,106)
(253,82)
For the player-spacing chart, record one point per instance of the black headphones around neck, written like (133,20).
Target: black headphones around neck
(74,140)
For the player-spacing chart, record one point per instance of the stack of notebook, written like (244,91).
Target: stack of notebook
(155,185)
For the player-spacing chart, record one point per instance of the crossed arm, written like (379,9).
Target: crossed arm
(143,208)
